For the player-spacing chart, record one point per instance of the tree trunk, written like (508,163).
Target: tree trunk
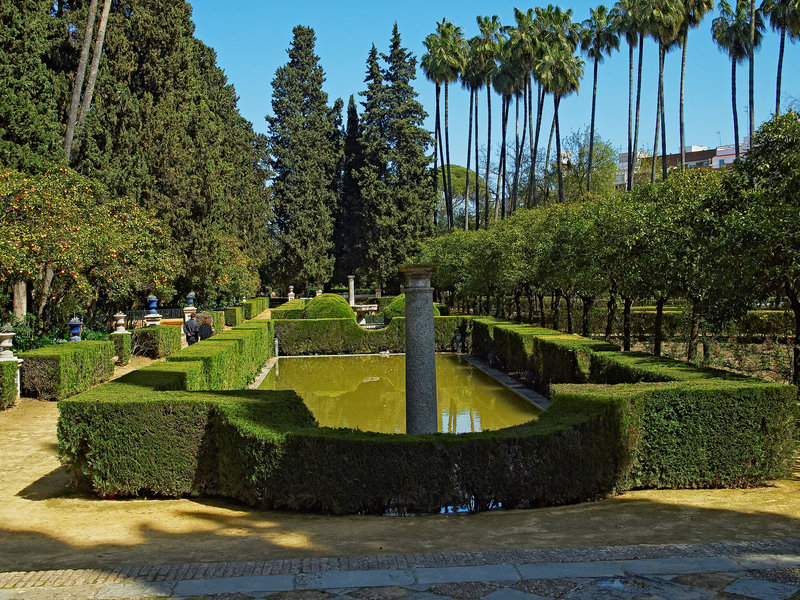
(477,169)
(96,53)
(77,85)
(517,305)
(469,156)
(752,67)
(658,326)
(735,115)
(694,330)
(780,71)
(794,302)
(663,116)
(436,129)
(658,120)
(47,280)
(542,316)
(612,311)
(631,149)
(488,153)
(568,303)
(680,110)
(588,302)
(531,148)
(20,291)
(556,102)
(547,159)
(535,155)
(591,129)
(638,104)
(531,302)
(626,323)
(555,307)
(447,151)
(441,156)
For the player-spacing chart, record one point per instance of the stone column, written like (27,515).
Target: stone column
(421,412)
(351,280)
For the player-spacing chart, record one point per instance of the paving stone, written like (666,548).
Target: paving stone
(472,590)
(382,593)
(561,570)
(655,566)
(356,579)
(788,576)
(709,581)
(78,592)
(457,574)
(233,596)
(303,595)
(428,596)
(626,588)
(139,589)
(763,590)
(512,594)
(551,588)
(768,561)
(268,583)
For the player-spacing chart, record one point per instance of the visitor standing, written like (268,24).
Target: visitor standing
(191,329)
(205,328)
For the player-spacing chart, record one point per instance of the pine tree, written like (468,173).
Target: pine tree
(302,143)
(349,226)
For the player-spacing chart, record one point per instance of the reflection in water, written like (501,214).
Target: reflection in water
(368,393)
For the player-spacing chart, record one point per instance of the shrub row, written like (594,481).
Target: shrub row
(234,315)
(157,341)
(254,307)
(344,336)
(219,320)
(293,309)
(381,301)
(59,371)
(122,347)
(8,383)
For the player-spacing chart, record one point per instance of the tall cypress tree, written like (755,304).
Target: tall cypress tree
(302,143)
(394,180)
(348,228)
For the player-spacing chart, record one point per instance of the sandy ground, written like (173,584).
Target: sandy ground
(46,525)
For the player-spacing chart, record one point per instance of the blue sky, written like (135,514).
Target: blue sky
(251,38)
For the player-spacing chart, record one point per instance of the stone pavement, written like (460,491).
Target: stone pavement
(767,570)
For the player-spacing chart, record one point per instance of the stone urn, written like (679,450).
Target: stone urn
(6,342)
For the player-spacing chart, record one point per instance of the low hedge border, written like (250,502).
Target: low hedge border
(293,309)
(264,448)
(62,370)
(157,341)
(8,383)
(234,315)
(254,307)
(122,347)
(219,320)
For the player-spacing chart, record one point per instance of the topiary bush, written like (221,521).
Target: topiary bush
(157,341)
(234,315)
(397,308)
(62,370)
(122,346)
(328,306)
(8,383)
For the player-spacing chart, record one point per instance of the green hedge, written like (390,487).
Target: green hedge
(397,308)
(254,307)
(157,341)
(122,347)
(382,301)
(443,309)
(59,371)
(234,315)
(328,306)
(344,336)
(219,321)
(290,310)
(8,383)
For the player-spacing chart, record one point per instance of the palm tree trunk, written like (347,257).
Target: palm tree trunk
(447,150)
(663,115)
(441,156)
(547,158)
(531,148)
(535,155)
(638,105)
(436,155)
(469,155)
(556,102)
(524,137)
(780,70)
(680,110)
(752,66)
(77,86)
(631,149)
(506,101)
(488,152)
(735,115)
(591,129)
(658,122)
(515,178)
(98,50)
(477,180)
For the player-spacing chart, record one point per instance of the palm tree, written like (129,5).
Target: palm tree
(504,82)
(561,76)
(597,38)
(528,50)
(731,32)
(487,50)
(431,64)
(693,13)
(784,16)
(472,79)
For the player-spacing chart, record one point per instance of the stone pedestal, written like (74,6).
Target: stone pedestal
(152,317)
(119,323)
(291,293)
(421,411)
(75,326)
(188,311)
(319,292)
(351,281)
(7,355)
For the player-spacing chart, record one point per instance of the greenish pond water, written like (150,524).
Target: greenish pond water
(368,393)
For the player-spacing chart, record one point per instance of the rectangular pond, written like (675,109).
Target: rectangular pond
(368,393)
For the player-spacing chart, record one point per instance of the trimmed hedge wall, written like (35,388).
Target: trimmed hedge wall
(344,336)
(8,383)
(684,428)
(290,310)
(59,371)
(328,306)
(254,307)
(157,341)
(219,321)
(122,347)
(397,308)
(234,315)
(382,301)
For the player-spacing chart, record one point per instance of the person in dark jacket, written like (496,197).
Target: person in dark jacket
(191,329)
(205,328)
